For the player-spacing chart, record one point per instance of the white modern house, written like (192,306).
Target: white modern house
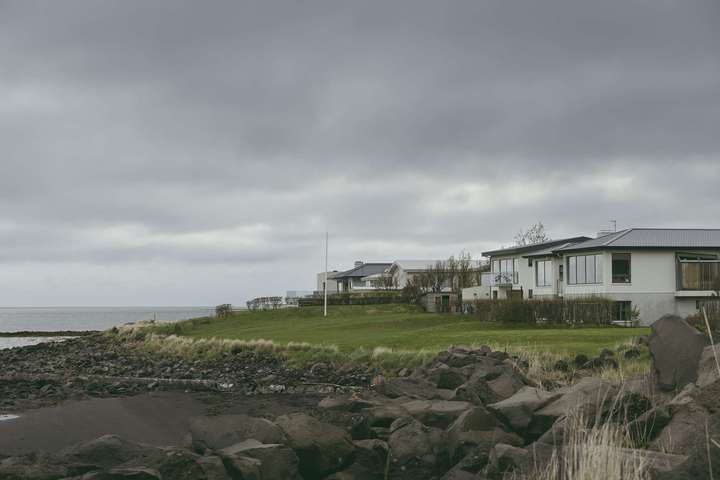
(655,270)
(362,277)
(404,271)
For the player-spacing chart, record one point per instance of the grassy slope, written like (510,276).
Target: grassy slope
(401,327)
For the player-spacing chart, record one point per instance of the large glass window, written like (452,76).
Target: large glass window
(622,311)
(584,269)
(621,268)
(698,271)
(510,266)
(572,270)
(543,273)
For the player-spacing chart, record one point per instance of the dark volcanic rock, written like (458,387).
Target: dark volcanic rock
(321,448)
(222,431)
(676,348)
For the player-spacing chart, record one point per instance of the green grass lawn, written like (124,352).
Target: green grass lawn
(399,327)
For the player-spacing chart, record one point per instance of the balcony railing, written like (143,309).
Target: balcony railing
(700,275)
(499,279)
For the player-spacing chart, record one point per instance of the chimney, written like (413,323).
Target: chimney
(358,263)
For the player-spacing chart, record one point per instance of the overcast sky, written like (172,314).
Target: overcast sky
(194,153)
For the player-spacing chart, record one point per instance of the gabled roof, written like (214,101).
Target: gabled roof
(532,248)
(415,265)
(549,251)
(363,270)
(652,238)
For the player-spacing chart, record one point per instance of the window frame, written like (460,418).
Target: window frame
(613,276)
(573,277)
(546,268)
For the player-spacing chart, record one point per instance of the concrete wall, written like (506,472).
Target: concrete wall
(472,294)
(332,284)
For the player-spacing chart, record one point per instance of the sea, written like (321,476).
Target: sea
(45,319)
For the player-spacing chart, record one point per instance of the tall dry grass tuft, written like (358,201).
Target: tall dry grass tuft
(597,452)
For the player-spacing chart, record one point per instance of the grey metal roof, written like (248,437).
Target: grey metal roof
(364,270)
(549,251)
(652,238)
(532,248)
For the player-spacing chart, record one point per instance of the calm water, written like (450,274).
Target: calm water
(43,319)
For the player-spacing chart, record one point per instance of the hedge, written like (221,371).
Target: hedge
(591,310)
(353,299)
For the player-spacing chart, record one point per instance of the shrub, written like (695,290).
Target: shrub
(556,311)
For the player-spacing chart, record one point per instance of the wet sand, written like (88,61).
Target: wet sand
(159,419)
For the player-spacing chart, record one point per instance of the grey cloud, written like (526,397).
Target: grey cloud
(405,128)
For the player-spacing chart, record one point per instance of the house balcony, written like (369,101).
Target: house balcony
(698,278)
(499,279)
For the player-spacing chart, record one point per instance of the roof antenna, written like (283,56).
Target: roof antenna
(614,222)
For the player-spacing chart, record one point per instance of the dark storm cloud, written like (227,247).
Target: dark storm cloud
(203,134)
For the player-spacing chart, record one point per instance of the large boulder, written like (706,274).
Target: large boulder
(588,397)
(680,435)
(436,413)
(518,410)
(322,448)
(676,348)
(215,433)
(277,462)
(416,451)
(477,431)
(697,466)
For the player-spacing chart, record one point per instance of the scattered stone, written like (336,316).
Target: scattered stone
(477,430)
(632,353)
(416,451)
(507,459)
(409,387)
(676,348)
(518,410)
(446,377)
(436,413)
(349,403)
(106,451)
(506,385)
(580,360)
(277,462)
(561,366)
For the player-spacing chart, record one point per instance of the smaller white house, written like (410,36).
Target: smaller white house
(404,271)
(362,277)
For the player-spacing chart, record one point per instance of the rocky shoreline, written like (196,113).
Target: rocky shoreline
(470,413)
(102,365)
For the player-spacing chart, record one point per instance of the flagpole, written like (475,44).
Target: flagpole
(326,271)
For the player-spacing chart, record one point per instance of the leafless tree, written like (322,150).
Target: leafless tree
(534,234)
(385,282)
(437,275)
